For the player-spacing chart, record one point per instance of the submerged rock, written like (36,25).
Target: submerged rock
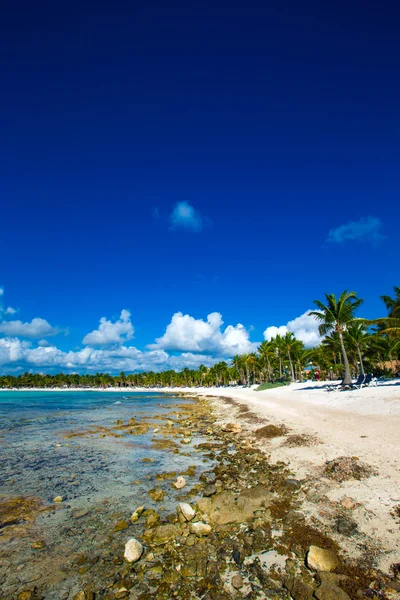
(157,494)
(58,499)
(320,559)
(133,550)
(162,533)
(179,483)
(121,526)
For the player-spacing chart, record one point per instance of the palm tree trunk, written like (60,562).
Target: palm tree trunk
(347,375)
(291,367)
(361,361)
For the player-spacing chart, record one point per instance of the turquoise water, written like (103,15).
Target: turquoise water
(101,479)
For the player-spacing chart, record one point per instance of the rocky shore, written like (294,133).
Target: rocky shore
(238,530)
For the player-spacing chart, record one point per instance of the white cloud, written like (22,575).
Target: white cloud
(15,353)
(36,328)
(111,332)
(10,311)
(367,229)
(305,328)
(184,216)
(1,291)
(187,334)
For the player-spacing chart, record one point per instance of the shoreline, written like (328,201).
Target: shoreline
(291,509)
(362,424)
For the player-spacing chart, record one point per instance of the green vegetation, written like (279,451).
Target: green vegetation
(269,385)
(351,346)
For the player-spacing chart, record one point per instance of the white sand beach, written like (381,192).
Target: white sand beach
(360,423)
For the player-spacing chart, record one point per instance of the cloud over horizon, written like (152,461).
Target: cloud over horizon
(187,342)
(185,333)
(366,229)
(305,328)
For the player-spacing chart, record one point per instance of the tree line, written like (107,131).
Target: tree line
(350,346)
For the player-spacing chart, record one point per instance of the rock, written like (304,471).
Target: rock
(238,508)
(150,557)
(186,510)
(179,483)
(348,503)
(237,582)
(330,591)
(204,505)
(38,545)
(162,534)
(58,499)
(157,494)
(26,595)
(232,427)
(121,526)
(292,484)
(200,528)
(139,510)
(195,561)
(320,559)
(152,519)
(209,490)
(134,517)
(186,440)
(133,550)
(299,589)
(346,526)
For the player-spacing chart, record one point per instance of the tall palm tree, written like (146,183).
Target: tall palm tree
(289,343)
(267,351)
(358,337)
(336,315)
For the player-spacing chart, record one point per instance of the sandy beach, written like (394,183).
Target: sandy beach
(361,423)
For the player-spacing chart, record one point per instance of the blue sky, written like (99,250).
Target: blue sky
(191,173)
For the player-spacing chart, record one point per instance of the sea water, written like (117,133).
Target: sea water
(100,479)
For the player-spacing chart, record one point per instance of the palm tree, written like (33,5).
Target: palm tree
(289,343)
(237,361)
(267,352)
(358,337)
(336,315)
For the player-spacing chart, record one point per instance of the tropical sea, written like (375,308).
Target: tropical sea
(76,445)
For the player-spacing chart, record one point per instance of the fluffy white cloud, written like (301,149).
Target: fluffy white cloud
(184,216)
(36,328)
(187,334)
(110,332)
(10,311)
(16,354)
(305,328)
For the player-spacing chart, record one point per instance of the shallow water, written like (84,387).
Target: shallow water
(101,479)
